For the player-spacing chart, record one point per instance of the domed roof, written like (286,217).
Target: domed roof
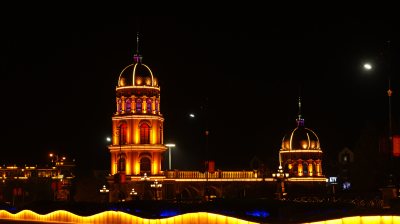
(137,74)
(301,138)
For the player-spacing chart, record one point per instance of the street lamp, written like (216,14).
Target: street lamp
(156,186)
(368,66)
(280,177)
(145,177)
(104,191)
(133,194)
(169,145)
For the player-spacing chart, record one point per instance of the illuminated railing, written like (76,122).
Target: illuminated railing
(215,175)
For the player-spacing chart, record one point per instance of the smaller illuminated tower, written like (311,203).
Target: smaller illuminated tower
(301,154)
(137,139)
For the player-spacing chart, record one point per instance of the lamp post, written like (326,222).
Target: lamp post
(169,145)
(104,191)
(280,177)
(368,67)
(204,114)
(156,186)
(133,194)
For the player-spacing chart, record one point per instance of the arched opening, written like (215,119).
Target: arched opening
(119,106)
(139,105)
(148,105)
(144,133)
(121,163)
(123,131)
(128,105)
(145,165)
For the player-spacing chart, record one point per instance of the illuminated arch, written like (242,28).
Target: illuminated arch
(121,163)
(122,133)
(128,105)
(145,164)
(144,127)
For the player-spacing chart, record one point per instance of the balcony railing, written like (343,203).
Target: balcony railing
(176,174)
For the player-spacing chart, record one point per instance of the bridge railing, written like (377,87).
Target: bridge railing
(219,174)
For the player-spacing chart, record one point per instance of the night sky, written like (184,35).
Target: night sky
(59,72)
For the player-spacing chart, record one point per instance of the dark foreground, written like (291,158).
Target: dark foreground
(260,210)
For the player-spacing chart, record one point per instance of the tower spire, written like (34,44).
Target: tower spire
(137,57)
(137,43)
(299,120)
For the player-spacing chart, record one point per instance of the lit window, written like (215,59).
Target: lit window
(128,105)
(139,105)
(144,133)
(145,165)
(148,105)
(121,164)
(119,106)
(123,133)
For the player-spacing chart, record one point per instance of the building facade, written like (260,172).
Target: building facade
(137,139)
(137,149)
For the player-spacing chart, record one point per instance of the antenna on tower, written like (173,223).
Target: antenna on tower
(137,43)
(137,57)
(299,120)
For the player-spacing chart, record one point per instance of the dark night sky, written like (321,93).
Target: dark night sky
(59,72)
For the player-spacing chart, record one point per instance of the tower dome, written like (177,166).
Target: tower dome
(137,74)
(301,154)
(301,138)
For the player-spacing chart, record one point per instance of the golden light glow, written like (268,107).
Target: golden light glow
(301,150)
(138,116)
(307,179)
(137,87)
(362,220)
(154,164)
(300,169)
(153,135)
(136,137)
(310,169)
(12,167)
(137,167)
(62,216)
(128,166)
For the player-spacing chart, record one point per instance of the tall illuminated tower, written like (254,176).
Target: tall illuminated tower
(137,124)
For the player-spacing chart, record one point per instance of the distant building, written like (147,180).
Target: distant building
(23,184)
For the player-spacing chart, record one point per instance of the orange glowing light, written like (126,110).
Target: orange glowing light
(61,216)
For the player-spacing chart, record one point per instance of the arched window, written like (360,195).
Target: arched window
(139,105)
(119,106)
(122,133)
(128,105)
(121,163)
(145,165)
(144,133)
(148,105)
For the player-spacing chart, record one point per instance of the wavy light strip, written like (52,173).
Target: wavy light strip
(362,220)
(119,217)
